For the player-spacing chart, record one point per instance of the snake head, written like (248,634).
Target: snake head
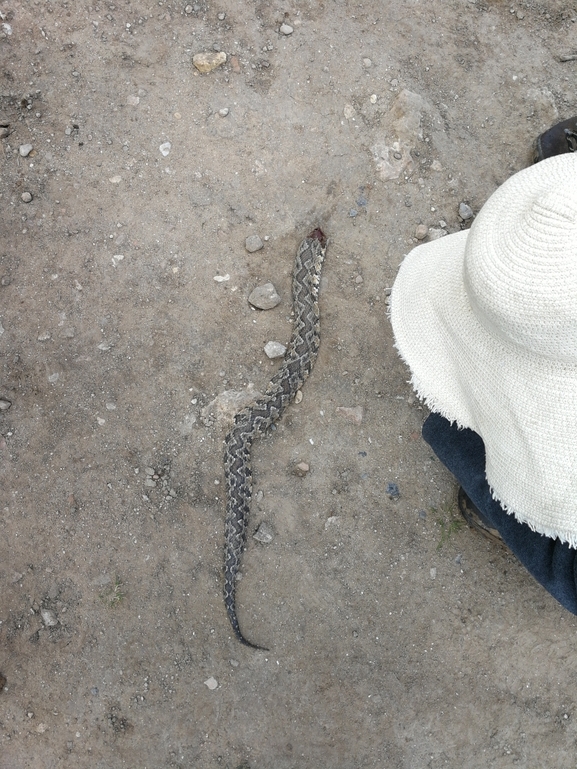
(319,235)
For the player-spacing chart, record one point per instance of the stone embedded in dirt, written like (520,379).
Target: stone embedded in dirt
(253,243)
(223,112)
(286,29)
(367,63)
(264,297)
(264,533)
(274,350)
(437,232)
(421,231)
(354,415)
(301,469)
(25,150)
(49,618)
(227,404)
(165,148)
(208,60)
(465,211)
(26,197)
(211,682)
(5,404)
(392,491)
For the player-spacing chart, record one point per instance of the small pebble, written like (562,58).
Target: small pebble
(349,111)
(359,279)
(465,212)
(286,29)
(433,573)
(188,9)
(392,491)
(274,350)
(253,243)
(5,404)
(26,197)
(165,148)
(49,618)
(301,469)
(264,533)
(150,483)
(436,232)
(149,470)
(221,16)
(25,150)
(223,112)
(208,60)
(264,297)
(211,683)
(421,231)
(367,63)
(353,212)
(373,98)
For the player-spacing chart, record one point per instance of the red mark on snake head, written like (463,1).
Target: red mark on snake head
(319,235)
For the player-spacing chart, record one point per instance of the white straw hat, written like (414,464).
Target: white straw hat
(486,320)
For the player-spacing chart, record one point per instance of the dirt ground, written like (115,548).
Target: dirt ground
(396,639)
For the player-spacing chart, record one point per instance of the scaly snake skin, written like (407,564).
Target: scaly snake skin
(298,362)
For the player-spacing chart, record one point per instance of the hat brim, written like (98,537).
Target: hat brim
(471,377)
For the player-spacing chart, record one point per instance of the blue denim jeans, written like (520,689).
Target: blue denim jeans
(552,564)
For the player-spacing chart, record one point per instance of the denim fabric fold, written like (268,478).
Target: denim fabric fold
(552,563)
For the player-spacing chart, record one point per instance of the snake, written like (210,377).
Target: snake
(298,361)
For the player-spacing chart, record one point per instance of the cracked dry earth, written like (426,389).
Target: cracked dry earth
(397,639)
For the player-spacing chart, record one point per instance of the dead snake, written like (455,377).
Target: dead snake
(298,362)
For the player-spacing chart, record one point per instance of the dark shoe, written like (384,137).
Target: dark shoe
(475,519)
(557,140)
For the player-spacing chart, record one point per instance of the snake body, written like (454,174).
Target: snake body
(297,364)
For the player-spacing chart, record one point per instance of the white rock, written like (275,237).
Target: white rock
(253,243)
(274,350)
(264,297)
(211,682)
(286,29)
(49,618)
(25,150)
(165,148)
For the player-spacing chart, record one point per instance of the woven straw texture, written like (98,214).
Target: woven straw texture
(487,322)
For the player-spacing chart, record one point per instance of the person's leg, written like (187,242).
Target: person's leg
(552,564)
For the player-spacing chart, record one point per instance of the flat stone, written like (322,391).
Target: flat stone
(301,469)
(25,150)
(421,231)
(264,297)
(437,232)
(253,243)
(274,350)
(354,415)
(264,533)
(208,60)
(286,29)
(49,618)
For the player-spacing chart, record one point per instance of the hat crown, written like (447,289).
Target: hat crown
(520,269)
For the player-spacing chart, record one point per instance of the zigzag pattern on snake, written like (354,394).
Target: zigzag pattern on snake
(298,362)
